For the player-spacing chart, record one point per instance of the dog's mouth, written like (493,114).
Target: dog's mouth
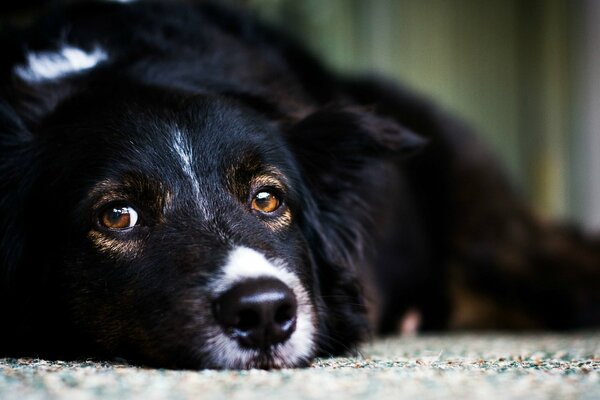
(227,354)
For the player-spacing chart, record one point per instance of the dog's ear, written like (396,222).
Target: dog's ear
(342,153)
(338,150)
(346,136)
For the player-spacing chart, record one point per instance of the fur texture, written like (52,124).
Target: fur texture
(185,114)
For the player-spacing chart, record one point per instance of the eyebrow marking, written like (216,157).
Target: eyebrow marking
(47,65)
(272,178)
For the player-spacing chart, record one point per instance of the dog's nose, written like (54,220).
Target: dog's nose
(258,313)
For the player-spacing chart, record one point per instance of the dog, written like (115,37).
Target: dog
(183,186)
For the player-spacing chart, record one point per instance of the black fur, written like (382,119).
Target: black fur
(394,205)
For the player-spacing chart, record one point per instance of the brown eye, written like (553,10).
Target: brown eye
(119,217)
(265,202)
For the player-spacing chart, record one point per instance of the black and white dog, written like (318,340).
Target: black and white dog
(185,187)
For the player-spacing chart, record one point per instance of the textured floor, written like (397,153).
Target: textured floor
(461,366)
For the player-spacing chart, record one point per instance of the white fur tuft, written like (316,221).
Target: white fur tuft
(186,157)
(185,153)
(47,65)
(244,263)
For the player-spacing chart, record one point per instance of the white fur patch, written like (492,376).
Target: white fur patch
(47,65)
(244,263)
(183,150)
(185,154)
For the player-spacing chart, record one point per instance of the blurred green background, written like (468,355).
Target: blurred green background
(524,73)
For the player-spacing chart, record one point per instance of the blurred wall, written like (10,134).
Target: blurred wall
(587,144)
(522,73)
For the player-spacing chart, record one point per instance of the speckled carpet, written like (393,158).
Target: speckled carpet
(490,366)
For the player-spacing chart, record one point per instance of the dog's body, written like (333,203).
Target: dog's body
(183,187)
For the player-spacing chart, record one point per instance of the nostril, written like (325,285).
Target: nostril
(247,320)
(258,313)
(285,314)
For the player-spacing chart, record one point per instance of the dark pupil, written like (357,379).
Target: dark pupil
(118,216)
(263,200)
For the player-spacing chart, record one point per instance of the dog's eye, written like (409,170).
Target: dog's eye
(119,217)
(265,202)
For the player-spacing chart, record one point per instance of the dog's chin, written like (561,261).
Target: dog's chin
(240,359)
(224,352)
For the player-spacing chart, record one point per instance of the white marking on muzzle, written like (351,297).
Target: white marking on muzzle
(68,60)
(244,263)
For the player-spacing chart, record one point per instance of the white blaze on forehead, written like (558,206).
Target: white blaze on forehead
(242,264)
(46,65)
(184,152)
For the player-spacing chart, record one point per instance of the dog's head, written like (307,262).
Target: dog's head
(185,228)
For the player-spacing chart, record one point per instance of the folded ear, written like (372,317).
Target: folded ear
(341,151)
(349,135)
(334,146)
